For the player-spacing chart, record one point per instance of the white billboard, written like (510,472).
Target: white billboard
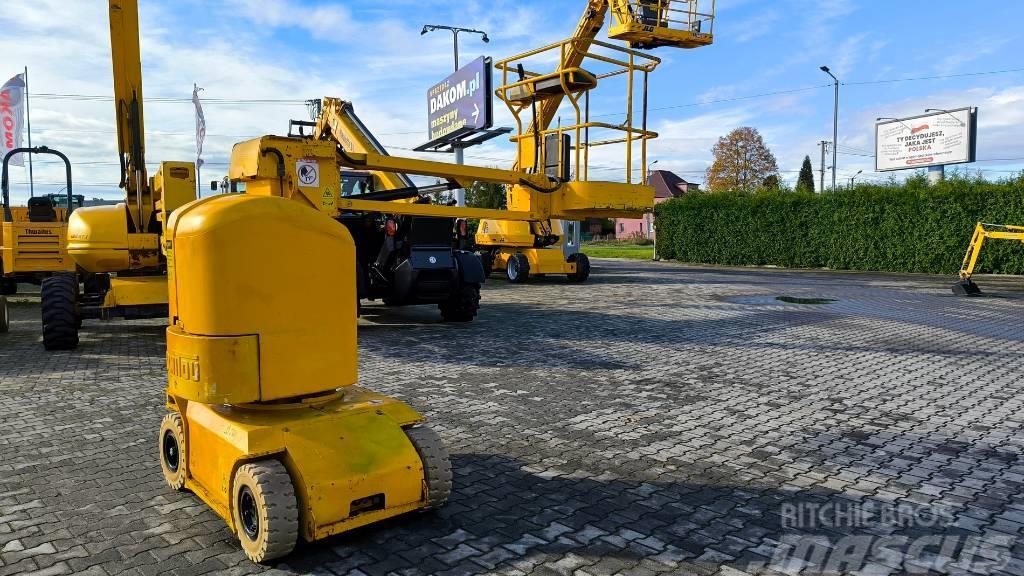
(933,139)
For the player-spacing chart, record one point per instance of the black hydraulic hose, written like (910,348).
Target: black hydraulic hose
(280,164)
(387,195)
(558,184)
(350,161)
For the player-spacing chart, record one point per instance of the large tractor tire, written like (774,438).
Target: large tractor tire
(462,305)
(582,268)
(265,510)
(59,298)
(517,270)
(5,318)
(437,467)
(173,451)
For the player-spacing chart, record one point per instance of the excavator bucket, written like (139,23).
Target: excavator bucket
(652,23)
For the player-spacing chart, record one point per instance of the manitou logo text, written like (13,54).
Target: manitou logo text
(184,368)
(7,119)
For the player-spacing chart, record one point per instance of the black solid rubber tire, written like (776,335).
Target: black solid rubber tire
(270,485)
(522,265)
(175,473)
(462,304)
(5,318)
(582,268)
(59,299)
(437,467)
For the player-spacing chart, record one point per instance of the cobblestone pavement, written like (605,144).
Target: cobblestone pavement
(658,419)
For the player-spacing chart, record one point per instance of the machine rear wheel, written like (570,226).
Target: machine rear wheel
(462,305)
(5,319)
(173,451)
(518,268)
(59,298)
(437,468)
(582,268)
(265,511)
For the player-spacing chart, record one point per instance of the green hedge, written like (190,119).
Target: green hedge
(905,227)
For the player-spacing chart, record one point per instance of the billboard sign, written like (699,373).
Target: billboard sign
(461,103)
(934,139)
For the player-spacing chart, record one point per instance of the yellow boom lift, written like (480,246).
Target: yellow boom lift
(522,249)
(117,248)
(32,238)
(965,286)
(266,422)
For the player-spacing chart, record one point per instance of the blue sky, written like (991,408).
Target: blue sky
(762,71)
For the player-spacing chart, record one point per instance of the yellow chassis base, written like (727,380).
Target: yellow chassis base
(542,260)
(344,448)
(136,291)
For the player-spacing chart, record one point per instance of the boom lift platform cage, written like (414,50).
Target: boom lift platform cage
(535,98)
(560,134)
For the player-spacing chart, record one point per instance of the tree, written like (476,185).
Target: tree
(805,183)
(486,195)
(742,162)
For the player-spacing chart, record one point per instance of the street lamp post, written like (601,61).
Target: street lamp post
(460,194)
(455,35)
(835,123)
(852,178)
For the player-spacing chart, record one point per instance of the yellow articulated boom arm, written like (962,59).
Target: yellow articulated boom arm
(982,232)
(338,122)
(131,145)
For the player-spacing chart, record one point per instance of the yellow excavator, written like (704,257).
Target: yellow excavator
(965,286)
(121,271)
(524,249)
(32,238)
(266,422)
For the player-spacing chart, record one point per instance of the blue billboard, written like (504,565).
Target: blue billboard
(461,104)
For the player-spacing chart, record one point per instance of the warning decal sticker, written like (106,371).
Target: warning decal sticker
(308,173)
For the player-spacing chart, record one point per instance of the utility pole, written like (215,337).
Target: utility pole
(835,123)
(824,148)
(460,194)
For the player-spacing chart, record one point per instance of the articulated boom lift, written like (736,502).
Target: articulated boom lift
(524,248)
(117,248)
(267,424)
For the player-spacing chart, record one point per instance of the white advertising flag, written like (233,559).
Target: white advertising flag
(12,117)
(200,121)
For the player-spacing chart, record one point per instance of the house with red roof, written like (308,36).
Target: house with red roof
(666,185)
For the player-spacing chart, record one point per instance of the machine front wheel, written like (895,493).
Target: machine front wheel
(582,268)
(518,268)
(5,319)
(462,305)
(437,467)
(265,511)
(59,299)
(173,451)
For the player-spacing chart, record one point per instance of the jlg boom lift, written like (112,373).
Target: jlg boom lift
(117,248)
(521,249)
(267,424)
(32,239)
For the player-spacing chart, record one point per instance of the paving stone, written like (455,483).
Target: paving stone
(657,419)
